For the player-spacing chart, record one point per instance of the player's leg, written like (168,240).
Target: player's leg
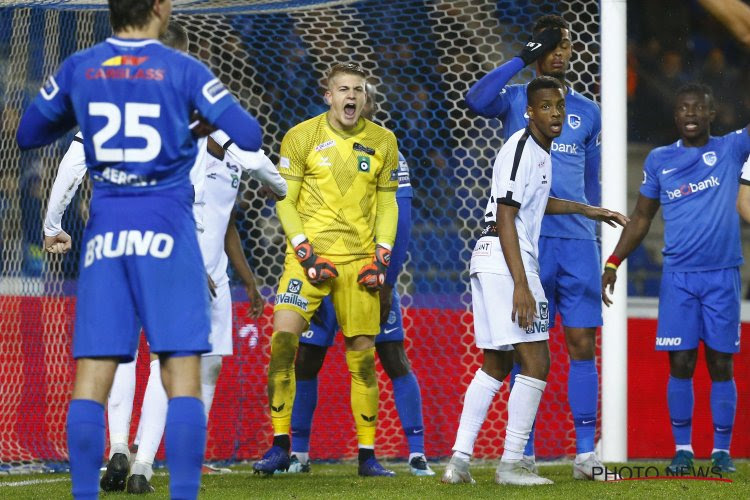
(485,297)
(721,316)
(151,429)
(389,345)
(119,411)
(679,329)
(85,424)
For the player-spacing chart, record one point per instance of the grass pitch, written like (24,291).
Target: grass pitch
(341,481)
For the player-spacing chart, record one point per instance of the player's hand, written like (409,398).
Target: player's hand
(372,276)
(524,306)
(603,215)
(386,299)
(317,268)
(268,193)
(59,243)
(199,127)
(255,299)
(211,287)
(539,44)
(609,277)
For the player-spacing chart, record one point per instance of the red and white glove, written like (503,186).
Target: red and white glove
(372,276)
(317,268)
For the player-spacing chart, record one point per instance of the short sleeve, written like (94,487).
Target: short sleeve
(208,95)
(740,144)
(292,156)
(509,176)
(388,175)
(594,140)
(53,100)
(650,187)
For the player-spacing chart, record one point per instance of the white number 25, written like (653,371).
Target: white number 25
(134,111)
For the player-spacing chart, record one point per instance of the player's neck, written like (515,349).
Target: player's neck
(541,139)
(149,31)
(696,142)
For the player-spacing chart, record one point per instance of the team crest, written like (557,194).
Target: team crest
(364,163)
(543,311)
(709,158)
(574,121)
(294,286)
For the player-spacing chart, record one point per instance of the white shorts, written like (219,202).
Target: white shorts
(492,304)
(221,322)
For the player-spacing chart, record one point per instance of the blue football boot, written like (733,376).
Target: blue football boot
(723,461)
(371,467)
(275,459)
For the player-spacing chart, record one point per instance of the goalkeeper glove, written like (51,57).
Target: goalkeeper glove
(317,268)
(372,276)
(539,44)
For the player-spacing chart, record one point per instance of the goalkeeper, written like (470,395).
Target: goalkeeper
(340,217)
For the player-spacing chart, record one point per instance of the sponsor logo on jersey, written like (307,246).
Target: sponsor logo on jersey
(359,147)
(544,178)
(325,145)
(235,180)
(543,310)
(324,162)
(539,326)
(693,187)
(128,242)
(709,158)
(574,121)
(214,90)
(570,149)
(233,168)
(122,178)
(293,299)
(483,249)
(668,341)
(284,162)
(50,88)
(125,60)
(295,286)
(364,163)
(403,173)
(125,73)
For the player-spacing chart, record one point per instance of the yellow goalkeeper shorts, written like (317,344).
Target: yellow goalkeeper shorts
(357,308)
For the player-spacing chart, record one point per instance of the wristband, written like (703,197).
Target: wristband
(613,262)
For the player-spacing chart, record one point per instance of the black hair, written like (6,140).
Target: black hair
(541,83)
(129,13)
(175,36)
(698,89)
(549,21)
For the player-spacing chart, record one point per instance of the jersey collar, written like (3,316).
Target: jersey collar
(531,134)
(346,134)
(132,42)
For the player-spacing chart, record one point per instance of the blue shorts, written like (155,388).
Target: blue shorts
(571,275)
(696,306)
(323,326)
(141,266)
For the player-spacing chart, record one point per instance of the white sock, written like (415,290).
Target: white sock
(120,408)
(412,456)
(477,401)
(142,468)
(153,417)
(523,404)
(582,457)
(716,450)
(460,455)
(684,447)
(210,369)
(302,456)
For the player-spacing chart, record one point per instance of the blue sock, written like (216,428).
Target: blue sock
(529,450)
(409,407)
(305,402)
(723,407)
(583,391)
(85,446)
(680,401)
(184,443)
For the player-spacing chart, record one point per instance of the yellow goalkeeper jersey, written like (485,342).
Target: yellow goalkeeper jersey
(341,174)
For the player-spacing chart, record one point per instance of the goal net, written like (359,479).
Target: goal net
(423,55)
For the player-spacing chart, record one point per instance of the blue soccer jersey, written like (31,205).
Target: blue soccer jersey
(404,180)
(575,157)
(697,188)
(133,100)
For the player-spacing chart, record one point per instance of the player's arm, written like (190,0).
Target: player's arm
(592,185)
(398,255)
(734,14)
(743,195)
(70,173)
(632,236)
(485,97)
(558,206)
(233,248)
(524,304)
(256,163)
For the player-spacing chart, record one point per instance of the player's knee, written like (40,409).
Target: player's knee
(309,361)
(682,363)
(393,358)
(210,369)
(581,343)
(362,366)
(283,350)
(720,367)
(497,364)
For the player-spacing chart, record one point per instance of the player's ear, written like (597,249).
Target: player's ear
(529,111)
(327,96)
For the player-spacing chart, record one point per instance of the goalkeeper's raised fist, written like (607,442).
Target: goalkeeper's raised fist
(317,268)
(372,276)
(541,43)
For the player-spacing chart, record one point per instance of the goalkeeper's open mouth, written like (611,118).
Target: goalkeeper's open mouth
(350,111)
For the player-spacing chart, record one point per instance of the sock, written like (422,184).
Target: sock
(723,407)
(365,454)
(529,450)
(680,402)
(684,447)
(120,408)
(364,394)
(210,369)
(302,456)
(305,402)
(583,393)
(85,446)
(282,441)
(185,443)
(153,419)
(477,401)
(523,404)
(409,406)
(281,380)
